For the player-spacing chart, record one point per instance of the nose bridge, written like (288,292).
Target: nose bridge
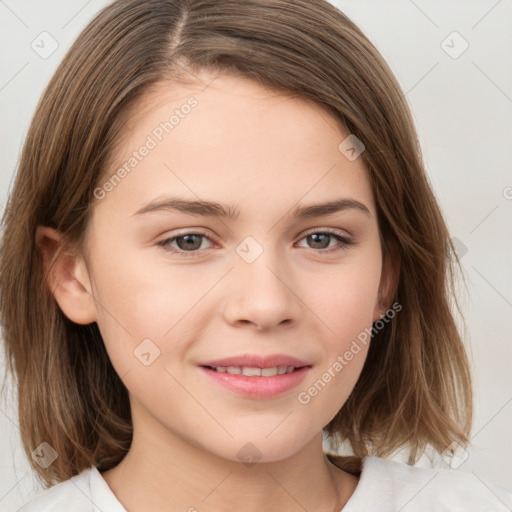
(261,293)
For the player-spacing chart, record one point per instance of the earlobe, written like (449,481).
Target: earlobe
(66,276)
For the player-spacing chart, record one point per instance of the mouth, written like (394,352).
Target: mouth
(254,371)
(257,377)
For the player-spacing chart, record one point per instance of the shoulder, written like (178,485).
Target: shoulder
(73,494)
(391,485)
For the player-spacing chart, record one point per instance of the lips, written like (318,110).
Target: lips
(255,376)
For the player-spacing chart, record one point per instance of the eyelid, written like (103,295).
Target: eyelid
(341,232)
(187,231)
(200,231)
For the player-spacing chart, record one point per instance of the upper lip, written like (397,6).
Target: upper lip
(257,361)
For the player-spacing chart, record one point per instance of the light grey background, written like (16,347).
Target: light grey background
(462,107)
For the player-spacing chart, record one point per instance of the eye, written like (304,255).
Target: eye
(188,244)
(321,240)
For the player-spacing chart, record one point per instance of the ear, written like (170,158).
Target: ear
(66,276)
(389,278)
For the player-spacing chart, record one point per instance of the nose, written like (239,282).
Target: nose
(262,294)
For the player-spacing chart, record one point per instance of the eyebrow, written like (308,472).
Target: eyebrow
(213,209)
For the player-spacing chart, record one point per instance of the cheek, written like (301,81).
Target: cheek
(347,302)
(344,354)
(346,307)
(137,302)
(145,292)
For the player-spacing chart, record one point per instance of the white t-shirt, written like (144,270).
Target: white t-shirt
(384,486)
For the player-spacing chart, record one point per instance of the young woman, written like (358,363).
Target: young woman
(222,250)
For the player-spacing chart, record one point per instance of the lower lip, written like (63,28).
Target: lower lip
(258,387)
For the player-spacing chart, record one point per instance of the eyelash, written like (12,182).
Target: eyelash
(344,241)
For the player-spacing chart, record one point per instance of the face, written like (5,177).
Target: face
(223,319)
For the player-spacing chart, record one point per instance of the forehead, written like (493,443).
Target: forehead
(223,136)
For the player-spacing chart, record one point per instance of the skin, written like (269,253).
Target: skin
(262,153)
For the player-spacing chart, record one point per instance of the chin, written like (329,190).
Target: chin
(251,449)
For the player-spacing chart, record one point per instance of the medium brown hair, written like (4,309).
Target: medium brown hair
(415,386)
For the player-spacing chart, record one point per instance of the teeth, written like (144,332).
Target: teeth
(250,371)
